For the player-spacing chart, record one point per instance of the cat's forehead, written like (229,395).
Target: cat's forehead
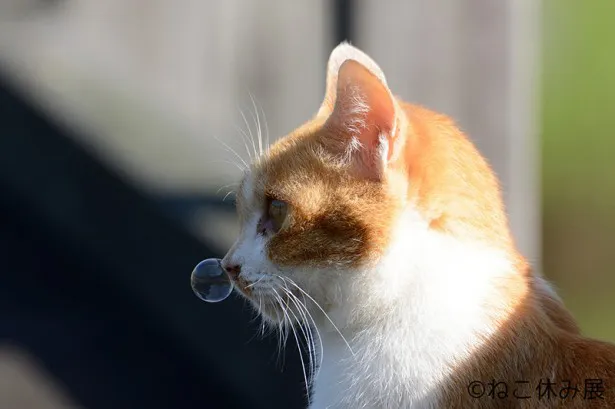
(292,163)
(299,169)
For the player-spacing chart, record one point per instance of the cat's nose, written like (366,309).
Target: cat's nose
(233,270)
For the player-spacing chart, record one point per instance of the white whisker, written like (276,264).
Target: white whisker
(231,150)
(254,283)
(225,186)
(245,138)
(303,331)
(241,169)
(323,311)
(250,133)
(313,326)
(267,144)
(309,327)
(286,317)
(257,122)
(226,195)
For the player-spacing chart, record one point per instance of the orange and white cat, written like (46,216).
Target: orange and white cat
(379,224)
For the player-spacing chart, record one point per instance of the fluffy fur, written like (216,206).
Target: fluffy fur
(397,249)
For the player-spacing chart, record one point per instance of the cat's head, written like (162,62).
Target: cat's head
(356,195)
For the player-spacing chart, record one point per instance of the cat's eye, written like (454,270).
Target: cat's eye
(276,214)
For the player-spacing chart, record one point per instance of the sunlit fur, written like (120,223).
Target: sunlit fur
(397,253)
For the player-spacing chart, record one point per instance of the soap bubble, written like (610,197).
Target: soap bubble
(210,282)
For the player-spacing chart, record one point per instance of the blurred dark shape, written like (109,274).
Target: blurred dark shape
(95,284)
(343,22)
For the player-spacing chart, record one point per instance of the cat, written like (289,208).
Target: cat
(379,225)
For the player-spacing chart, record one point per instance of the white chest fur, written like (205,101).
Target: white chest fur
(375,379)
(419,316)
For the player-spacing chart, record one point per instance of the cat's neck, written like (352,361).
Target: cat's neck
(434,281)
(430,303)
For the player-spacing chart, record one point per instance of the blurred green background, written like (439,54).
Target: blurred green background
(578,135)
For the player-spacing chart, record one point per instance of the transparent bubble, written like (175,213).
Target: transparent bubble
(210,282)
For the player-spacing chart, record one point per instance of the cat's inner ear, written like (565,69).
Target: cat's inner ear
(362,125)
(339,55)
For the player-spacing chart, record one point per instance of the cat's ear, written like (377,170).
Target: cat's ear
(363,116)
(343,52)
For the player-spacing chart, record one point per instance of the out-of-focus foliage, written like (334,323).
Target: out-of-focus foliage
(578,134)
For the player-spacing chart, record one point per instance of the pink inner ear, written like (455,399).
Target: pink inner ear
(364,111)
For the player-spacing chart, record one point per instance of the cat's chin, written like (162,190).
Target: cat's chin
(274,307)
(272,315)
(270,310)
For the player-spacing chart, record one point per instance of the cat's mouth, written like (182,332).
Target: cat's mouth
(270,299)
(266,287)
(243,286)
(252,290)
(276,308)
(271,293)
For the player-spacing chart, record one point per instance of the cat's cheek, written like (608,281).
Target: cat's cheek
(249,253)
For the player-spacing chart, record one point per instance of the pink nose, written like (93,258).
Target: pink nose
(233,270)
